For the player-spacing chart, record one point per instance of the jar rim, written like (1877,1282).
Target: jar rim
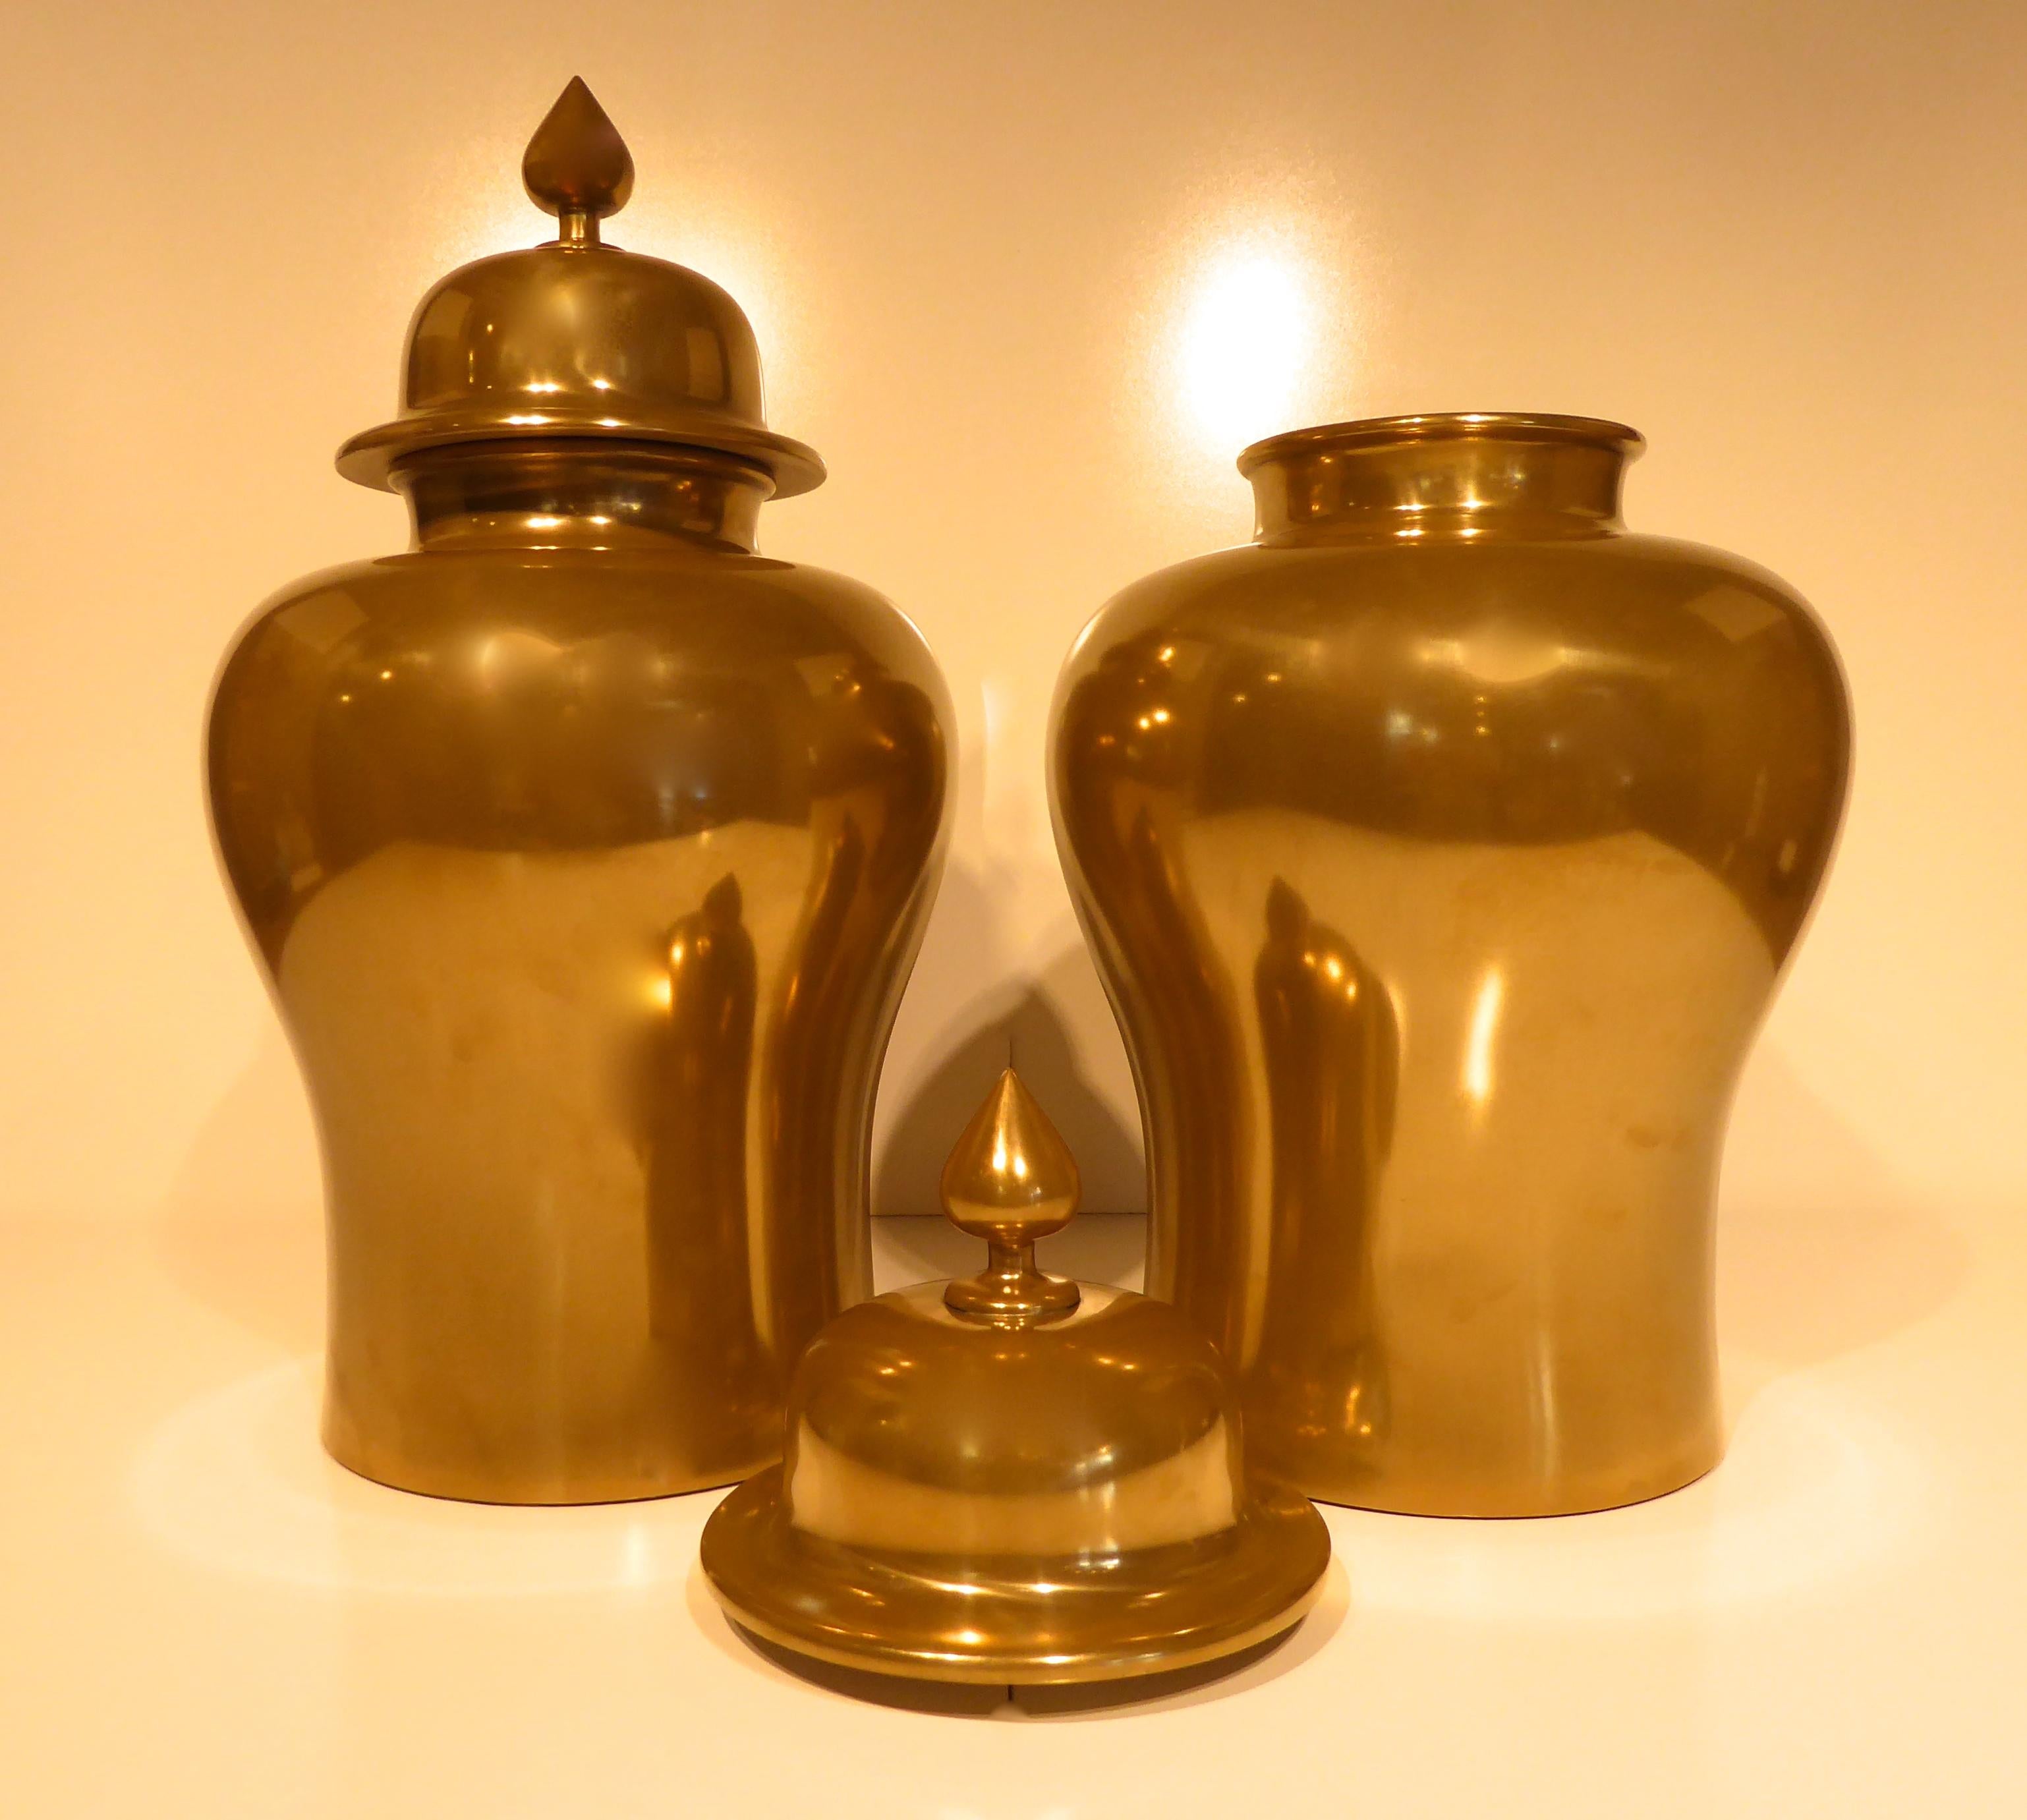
(1442,426)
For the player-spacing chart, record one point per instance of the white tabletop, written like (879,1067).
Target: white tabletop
(200,1615)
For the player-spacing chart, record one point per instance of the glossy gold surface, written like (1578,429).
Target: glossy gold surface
(1017,1486)
(578,338)
(1442,852)
(577,166)
(1011,1180)
(587,851)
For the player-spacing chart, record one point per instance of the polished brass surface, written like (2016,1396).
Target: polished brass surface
(577,166)
(1442,852)
(587,851)
(1011,1181)
(578,338)
(1008,1485)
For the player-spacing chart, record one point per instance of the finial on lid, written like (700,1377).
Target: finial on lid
(577,166)
(1010,1180)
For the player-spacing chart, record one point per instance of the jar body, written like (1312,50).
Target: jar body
(588,870)
(1441,863)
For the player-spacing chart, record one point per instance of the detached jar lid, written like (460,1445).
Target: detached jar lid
(579,338)
(1013,1477)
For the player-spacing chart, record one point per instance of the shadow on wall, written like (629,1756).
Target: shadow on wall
(1820,1250)
(241,1229)
(984,1009)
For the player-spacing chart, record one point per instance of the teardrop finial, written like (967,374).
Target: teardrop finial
(577,166)
(1010,1180)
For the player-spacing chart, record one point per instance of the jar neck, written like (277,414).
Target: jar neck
(1454,477)
(579,494)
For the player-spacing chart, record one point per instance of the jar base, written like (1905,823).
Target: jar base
(528,1488)
(1493,1503)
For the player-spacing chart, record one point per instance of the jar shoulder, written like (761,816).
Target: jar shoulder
(498,702)
(1255,585)
(1629,613)
(1487,698)
(712,607)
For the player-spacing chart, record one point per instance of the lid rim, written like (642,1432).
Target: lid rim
(368,458)
(1273,1522)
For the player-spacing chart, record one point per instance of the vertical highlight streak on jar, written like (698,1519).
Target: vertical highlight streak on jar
(1484,1033)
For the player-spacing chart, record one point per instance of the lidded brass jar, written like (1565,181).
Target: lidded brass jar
(587,851)
(1442,852)
(1013,1477)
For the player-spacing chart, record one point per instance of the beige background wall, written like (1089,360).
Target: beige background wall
(1029,276)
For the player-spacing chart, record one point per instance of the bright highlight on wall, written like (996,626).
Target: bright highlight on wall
(1248,334)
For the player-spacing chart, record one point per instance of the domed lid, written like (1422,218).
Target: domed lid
(576,338)
(1013,1476)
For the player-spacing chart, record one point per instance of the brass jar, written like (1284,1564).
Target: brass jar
(1442,852)
(587,851)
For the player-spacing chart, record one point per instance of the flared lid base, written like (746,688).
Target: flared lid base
(939,1617)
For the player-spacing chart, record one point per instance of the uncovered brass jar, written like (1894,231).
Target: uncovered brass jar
(1442,852)
(587,851)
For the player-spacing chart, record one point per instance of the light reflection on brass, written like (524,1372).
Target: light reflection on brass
(1013,1477)
(1011,1181)
(1442,852)
(699,1081)
(1330,1051)
(576,165)
(588,851)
